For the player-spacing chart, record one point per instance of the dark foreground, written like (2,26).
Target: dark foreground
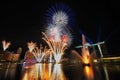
(15,71)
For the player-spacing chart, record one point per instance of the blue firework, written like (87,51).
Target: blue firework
(60,18)
(59,14)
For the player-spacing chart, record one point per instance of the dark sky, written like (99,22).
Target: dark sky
(23,20)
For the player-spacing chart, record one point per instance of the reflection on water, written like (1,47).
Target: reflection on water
(88,71)
(8,71)
(58,73)
(106,72)
(12,71)
(43,72)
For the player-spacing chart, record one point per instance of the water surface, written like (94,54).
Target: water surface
(50,71)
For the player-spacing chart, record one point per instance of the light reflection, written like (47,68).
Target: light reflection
(10,71)
(89,72)
(28,72)
(43,72)
(106,72)
(58,73)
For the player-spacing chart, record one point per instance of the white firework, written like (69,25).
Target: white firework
(54,31)
(60,18)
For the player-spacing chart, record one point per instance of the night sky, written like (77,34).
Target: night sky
(23,20)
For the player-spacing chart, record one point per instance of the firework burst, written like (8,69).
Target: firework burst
(31,46)
(60,14)
(60,18)
(57,47)
(57,35)
(5,44)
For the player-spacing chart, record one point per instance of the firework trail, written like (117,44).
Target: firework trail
(38,53)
